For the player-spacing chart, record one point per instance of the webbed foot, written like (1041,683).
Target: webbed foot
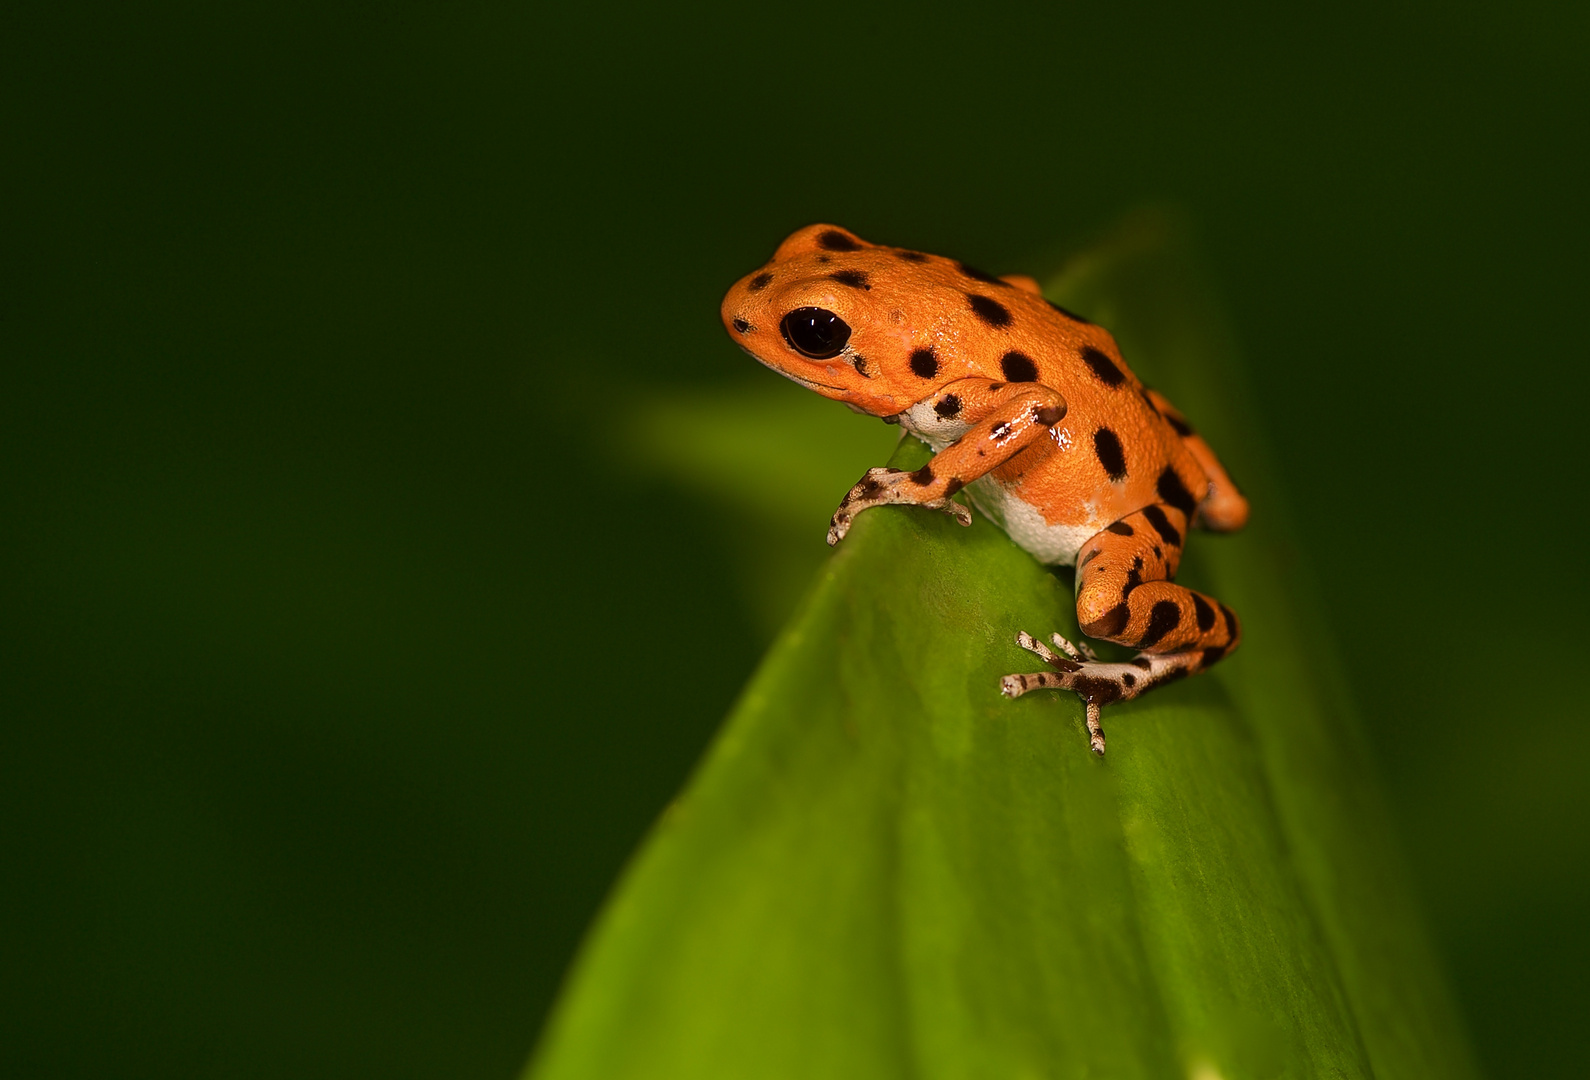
(1097,682)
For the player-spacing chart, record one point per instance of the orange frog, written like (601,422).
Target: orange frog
(1030,409)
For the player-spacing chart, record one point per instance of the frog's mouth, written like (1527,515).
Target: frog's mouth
(810,384)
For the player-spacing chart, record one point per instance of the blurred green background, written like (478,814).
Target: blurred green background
(356,624)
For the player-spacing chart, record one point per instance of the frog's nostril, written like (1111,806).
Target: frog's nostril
(742,326)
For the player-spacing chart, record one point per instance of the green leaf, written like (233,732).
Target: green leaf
(883,868)
(775,455)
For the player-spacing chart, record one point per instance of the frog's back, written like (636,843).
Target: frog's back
(1112,454)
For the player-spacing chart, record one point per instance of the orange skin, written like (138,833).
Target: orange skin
(1032,410)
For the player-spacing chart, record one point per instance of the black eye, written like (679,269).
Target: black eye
(815,333)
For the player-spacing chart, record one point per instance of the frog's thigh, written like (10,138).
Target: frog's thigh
(1125,595)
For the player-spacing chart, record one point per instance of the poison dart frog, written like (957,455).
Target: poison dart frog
(1032,411)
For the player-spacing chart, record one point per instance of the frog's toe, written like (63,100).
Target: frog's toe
(1043,652)
(1079,651)
(950,507)
(1013,686)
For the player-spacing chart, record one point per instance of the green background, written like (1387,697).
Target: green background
(353,632)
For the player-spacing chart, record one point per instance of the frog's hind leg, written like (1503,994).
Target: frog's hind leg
(1126,592)
(1125,595)
(1223,508)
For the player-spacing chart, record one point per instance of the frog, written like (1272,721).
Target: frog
(1034,417)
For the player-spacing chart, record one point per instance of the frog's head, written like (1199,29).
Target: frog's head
(829,311)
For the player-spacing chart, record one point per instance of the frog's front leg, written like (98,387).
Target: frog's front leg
(890,487)
(1008,418)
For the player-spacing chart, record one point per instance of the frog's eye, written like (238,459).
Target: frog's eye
(815,333)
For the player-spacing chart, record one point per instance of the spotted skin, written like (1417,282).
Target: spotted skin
(1032,412)
(1223,509)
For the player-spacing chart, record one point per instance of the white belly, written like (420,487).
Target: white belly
(1052,545)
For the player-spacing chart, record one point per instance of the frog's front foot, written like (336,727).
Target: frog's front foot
(886,487)
(1097,682)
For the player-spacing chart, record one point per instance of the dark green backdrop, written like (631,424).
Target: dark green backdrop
(343,663)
